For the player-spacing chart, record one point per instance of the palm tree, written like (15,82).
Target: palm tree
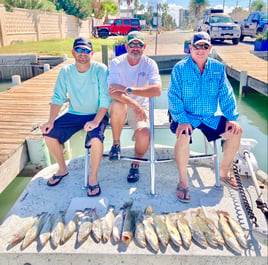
(128,4)
(196,8)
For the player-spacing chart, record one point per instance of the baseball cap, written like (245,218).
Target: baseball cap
(82,43)
(201,37)
(135,35)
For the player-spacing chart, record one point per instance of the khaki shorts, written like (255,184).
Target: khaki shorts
(131,119)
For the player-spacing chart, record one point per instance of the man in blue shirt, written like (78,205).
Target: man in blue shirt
(84,83)
(199,86)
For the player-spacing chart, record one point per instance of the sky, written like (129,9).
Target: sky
(228,4)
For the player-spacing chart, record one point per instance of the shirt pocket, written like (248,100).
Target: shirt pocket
(213,86)
(190,89)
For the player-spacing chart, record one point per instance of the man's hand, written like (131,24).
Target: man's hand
(117,88)
(184,128)
(139,112)
(47,127)
(91,125)
(233,127)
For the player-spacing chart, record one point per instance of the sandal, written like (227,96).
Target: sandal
(231,181)
(185,192)
(91,188)
(133,175)
(55,177)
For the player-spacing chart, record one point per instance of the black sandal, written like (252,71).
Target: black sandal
(133,175)
(185,192)
(91,188)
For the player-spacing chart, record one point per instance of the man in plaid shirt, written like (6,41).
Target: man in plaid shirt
(198,88)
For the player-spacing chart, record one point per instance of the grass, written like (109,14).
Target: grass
(55,47)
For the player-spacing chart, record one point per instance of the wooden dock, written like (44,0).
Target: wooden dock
(22,108)
(27,105)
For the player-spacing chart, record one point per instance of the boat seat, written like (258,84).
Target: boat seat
(152,161)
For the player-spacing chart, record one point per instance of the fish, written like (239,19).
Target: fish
(227,233)
(139,233)
(69,229)
(237,230)
(20,234)
(197,232)
(128,225)
(173,231)
(57,229)
(118,225)
(183,228)
(211,231)
(161,229)
(85,225)
(96,226)
(34,231)
(108,223)
(150,234)
(45,232)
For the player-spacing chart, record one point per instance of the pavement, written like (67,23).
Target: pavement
(70,196)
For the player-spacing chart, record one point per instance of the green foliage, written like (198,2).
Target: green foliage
(263,36)
(43,5)
(258,5)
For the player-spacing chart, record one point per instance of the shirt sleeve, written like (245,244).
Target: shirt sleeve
(154,76)
(114,76)
(227,100)
(175,103)
(105,99)
(60,89)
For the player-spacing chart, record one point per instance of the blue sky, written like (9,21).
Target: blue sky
(213,3)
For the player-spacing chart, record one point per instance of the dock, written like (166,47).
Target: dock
(25,106)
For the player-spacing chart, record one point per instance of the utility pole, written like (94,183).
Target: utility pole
(223,2)
(249,4)
(156,29)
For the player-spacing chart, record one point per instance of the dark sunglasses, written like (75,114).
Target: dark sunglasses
(138,45)
(201,46)
(80,50)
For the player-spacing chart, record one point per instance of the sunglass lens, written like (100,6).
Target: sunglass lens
(87,51)
(79,50)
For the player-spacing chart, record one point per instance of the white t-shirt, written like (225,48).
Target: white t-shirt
(143,74)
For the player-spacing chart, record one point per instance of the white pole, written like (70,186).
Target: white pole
(243,81)
(46,67)
(15,80)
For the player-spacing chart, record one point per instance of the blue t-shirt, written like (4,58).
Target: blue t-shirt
(87,92)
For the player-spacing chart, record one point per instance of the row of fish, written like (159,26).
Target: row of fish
(147,228)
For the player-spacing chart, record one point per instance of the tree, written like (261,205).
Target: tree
(110,8)
(128,5)
(197,7)
(258,5)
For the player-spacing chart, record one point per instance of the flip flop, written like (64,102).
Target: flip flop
(231,181)
(184,191)
(91,188)
(55,177)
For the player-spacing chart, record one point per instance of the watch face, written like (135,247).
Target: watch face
(129,89)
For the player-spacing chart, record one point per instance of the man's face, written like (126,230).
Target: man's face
(200,52)
(135,49)
(82,55)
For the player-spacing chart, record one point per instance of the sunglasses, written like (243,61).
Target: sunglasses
(80,50)
(138,45)
(201,46)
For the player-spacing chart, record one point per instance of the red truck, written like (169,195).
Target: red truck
(117,26)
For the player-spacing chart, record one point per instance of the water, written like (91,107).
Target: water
(4,86)
(253,118)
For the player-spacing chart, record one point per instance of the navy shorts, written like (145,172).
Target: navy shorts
(211,134)
(68,124)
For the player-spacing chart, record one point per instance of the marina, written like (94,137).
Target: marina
(25,106)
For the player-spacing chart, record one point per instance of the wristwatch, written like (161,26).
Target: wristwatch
(129,90)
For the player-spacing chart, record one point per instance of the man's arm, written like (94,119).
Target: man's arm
(90,125)
(54,111)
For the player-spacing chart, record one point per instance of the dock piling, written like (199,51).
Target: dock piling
(243,81)
(16,80)
(46,67)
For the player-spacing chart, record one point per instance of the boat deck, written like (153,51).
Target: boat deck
(70,196)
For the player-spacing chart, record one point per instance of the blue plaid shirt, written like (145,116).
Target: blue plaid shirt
(194,98)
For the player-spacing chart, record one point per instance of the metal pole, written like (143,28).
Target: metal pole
(216,164)
(152,158)
(223,3)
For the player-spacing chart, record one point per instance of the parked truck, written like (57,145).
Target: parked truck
(118,26)
(256,23)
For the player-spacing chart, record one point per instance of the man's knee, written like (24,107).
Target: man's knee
(118,109)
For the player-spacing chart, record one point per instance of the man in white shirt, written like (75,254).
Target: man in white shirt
(133,79)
